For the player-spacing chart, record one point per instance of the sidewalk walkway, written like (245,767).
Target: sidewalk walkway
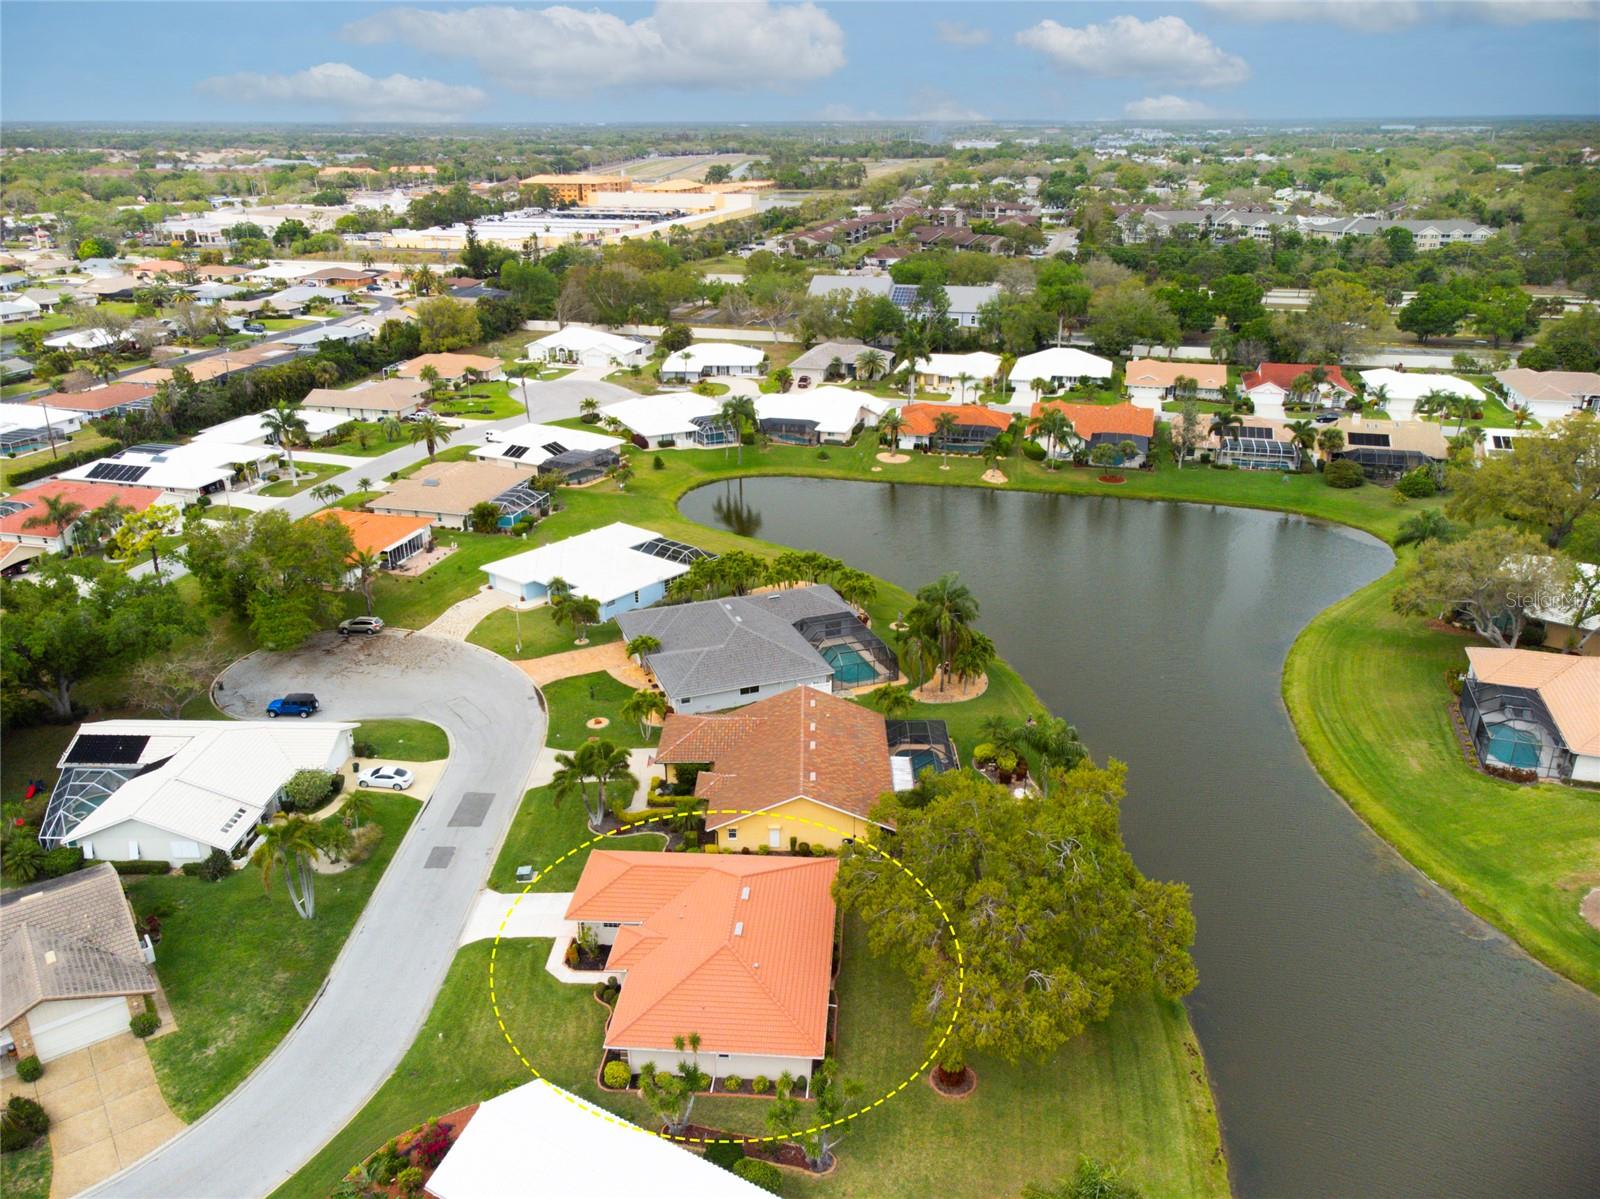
(348,461)
(536,914)
(611,658)
(460,618)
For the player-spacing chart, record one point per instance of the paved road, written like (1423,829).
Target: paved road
(384,982)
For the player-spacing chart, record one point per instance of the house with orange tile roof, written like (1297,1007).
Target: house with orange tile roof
(976,427)
(1103,424)
(737,948)
(1151,382)
(1531,710)
(20,541)
(450,366)
(802,765)
(391,539)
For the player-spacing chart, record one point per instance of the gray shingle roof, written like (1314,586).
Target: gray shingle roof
(742,641)
(69,938)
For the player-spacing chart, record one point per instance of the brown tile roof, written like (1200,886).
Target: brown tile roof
(1130,420)
(736,948)
(449,366)
(380,395)
(69,938)
(98,399)
(919,418)
(449,487)
(1569,684)
(801,742)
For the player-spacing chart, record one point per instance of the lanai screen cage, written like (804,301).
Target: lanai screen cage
(790,432)
(925,743)
(1511,727)
(78,792)
(858,656)
(713,431)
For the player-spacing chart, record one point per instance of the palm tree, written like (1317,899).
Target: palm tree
(1305,436)
(285,425)
(736,411)
(58,513)
(604,763)
(944,428)
(326,493)
(912,348)
(430,429)
(429,375)
(589,409)
(894,701)
(1002,373)
(558,591)
(1428,525)
(324,373)
(392,428)
(290,842)
(579,612)
(1446,404)
(645,706)
(641,645)
(1330,442)
(1519,416)
(1053,423)
(871,365)
(892,423)
(359,806)
(364,483)
(366,564)
(1225,424)
(963,381)
(1378,397)
(945,610)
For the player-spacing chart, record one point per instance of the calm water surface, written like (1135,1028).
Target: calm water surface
(1366,1036)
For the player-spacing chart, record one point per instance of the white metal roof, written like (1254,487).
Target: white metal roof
(601,563)
(208,770)
(835,409)
(1063,361)
(541,1140)
(182,467)
(980,364)
(1413,385)
(252,427)
(713,353)
(534,439)
(663,415)
(581,337)
(34,416)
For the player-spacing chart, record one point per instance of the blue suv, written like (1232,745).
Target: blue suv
(298,703)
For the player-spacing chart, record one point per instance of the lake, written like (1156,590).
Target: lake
(1366,1036)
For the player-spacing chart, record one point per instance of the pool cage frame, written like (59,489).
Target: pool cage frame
(845,629)
(1481,702)
(932,735)
(77,795)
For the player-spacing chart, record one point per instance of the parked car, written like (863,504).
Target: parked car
(393,778)
(255,327)
(371,626)
(296,703)
(1325,418)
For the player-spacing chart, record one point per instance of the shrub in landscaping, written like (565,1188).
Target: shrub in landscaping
(724,1154)
(759,1173)
(409,1180)
(761,1084)
(1033,451)
(823,455)
(306,790)
(141,866)
(430,1145)
(571,956)
(63,859)
(803,849)
(216,867)
(386,1164)
(1343,473)
(22,1124)
(30,1069)
(617,1075)
(143,1024)
(658,463)
(732,1082)
(1418,484)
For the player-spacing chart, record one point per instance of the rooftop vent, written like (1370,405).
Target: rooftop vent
(50,956)
(430,482)
(738,929)
(744,892)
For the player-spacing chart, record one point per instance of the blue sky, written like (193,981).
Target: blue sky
(732,60)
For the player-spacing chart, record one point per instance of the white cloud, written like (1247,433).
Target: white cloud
(738,45)
(1165,47)
(930,104)
(1169,108)
(1386,16)
(958,33)
(847,112)
(350,93)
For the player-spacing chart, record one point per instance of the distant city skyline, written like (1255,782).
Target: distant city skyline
(725,61)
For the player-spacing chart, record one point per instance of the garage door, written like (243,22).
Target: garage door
(63,1025)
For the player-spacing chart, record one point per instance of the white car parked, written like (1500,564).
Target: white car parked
(395,778)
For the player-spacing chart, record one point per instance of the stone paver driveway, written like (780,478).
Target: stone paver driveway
(106,1112)
(611,658)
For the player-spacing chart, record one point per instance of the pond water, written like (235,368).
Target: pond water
(1366,1036)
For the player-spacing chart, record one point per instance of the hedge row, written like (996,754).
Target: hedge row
(17,476)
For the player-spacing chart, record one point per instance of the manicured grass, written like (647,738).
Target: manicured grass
(412,603)
(445,453)
(311,474)
(541,832)
(404,740)
(541,634)
(574,701)
(32,753)
(26,1174)
(487,401)
(84,439)
(1366,689)
(1131,1090)
(240,967)
(376,443)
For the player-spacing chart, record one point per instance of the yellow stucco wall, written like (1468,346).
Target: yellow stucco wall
(791,819)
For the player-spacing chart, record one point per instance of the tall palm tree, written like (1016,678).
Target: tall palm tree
(944,428)
(1002,373)
(285,426)
(366,564)
(430,429)
(871,365)
(429,375)
(641,645)
(58,513)
(324,373)
(1305,436)
(1225,424)
(601,762)
(579,612)
(1378,397)
(945,610)
(558,591)
(645,706)
(1330,442)
(740,412)
(1053,423)
(326,493)
(912,348)
(892,423)
(290,843)
(964,381)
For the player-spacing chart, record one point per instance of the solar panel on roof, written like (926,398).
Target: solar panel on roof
(105,749)
(515,451)
(118,472)
(553,448)
(1375,439)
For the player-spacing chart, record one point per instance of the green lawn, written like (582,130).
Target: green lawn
(541,832)
(540,634)
(1131,1091)
(450,453)
(370,433)
(240,967)
(84,439)
(32,753)
(311,474)
(1520,857)
(404,740)
(487,401)
(26,1175)
(574,701)
(412,602)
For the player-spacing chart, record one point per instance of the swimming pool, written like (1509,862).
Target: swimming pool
(1514,747)
(921,759)
(850,666)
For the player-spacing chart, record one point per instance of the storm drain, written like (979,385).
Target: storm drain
(474,806)
(439,857)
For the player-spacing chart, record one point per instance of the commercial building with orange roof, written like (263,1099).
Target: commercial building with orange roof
(976,426)
(578,189)
(737,948)
(1103,424)
(1534,711)
(392,539)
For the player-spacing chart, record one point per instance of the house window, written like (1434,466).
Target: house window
(775,837)
(750,690)
(733,832)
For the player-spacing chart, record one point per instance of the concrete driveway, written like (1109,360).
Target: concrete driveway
(384,981)
(105,1109)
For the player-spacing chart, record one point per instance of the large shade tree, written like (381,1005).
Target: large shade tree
(1547,486)
(1493,577)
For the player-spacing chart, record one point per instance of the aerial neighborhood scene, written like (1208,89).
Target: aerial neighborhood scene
(847,600)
